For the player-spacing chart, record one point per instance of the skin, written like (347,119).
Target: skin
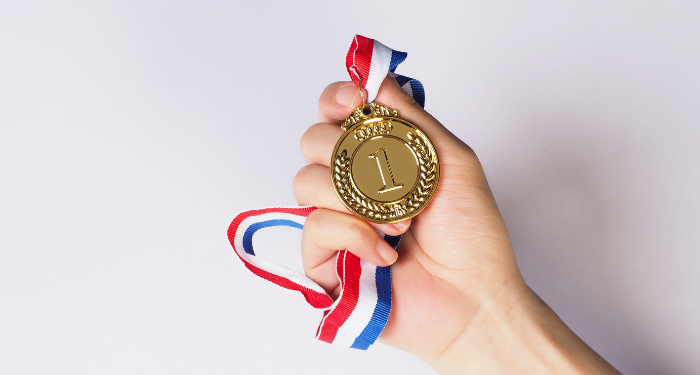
(459,300)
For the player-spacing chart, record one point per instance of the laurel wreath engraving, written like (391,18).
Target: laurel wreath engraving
(374,210)
(426,181)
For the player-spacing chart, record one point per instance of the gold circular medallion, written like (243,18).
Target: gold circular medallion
(383,168)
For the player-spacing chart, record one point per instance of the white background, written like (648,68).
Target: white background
(132,132)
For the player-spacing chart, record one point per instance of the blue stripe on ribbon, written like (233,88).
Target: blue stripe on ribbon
(418,92)
(397,58)
(401,80)
(381,312)
(250,231)
(393,241)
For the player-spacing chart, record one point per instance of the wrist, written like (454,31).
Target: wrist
(514,331)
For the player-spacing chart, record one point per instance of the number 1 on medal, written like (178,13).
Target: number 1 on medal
(386,165)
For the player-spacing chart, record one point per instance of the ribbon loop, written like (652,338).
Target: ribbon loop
(361,311)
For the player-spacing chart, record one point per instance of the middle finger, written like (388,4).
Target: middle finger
(318,142)
(313,187)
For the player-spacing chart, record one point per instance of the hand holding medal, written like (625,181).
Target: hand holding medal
(455,294)
(362,297)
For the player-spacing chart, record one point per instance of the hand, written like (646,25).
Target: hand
(459,300)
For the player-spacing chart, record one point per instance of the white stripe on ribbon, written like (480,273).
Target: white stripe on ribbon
(407,88)
(379,67)
(366,303)
(270,267)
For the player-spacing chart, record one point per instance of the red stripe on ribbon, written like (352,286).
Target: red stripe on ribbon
(314,298)
(301,211)
(359,58)
(348,265)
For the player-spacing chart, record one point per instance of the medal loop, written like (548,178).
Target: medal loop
(366,110)
(362,93)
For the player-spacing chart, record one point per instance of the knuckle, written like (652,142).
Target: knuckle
(467,155)
(327,93)
(306,142)
(312,221)
(299,183)
(471,153)
(357,231)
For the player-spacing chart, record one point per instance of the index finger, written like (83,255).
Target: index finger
(337,102)
(339,99)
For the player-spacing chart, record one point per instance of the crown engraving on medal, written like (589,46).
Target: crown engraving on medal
(377,110)
(370,130)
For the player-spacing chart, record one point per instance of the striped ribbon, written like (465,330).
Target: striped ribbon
(371,60)
(359,315)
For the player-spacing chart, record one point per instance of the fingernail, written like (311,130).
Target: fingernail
(345,95)
(387,252)
(402,226)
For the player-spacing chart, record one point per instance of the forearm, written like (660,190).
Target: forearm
(516,332)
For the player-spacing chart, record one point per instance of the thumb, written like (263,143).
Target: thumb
(392,95)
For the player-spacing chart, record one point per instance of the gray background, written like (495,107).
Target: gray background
(132,132)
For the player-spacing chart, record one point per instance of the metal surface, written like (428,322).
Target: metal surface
(384,168)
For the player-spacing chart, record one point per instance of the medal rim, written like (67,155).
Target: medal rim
(375,118)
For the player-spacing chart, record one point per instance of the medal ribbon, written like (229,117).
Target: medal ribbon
(360,313)
(371,60)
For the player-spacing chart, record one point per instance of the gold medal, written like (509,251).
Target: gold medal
(383,168)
